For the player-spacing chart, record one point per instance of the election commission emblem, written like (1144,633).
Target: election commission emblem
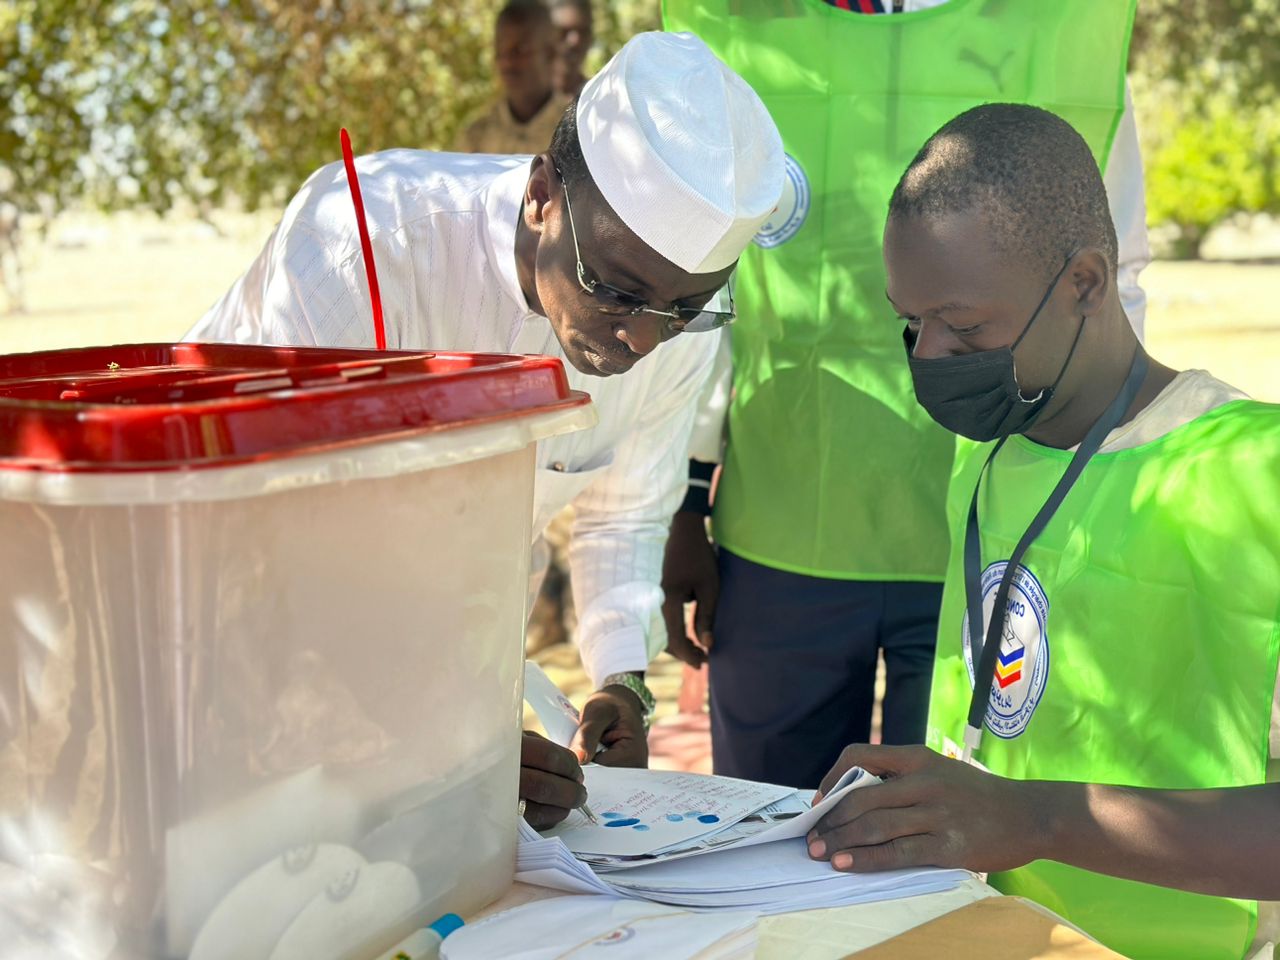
(1022,666)
(793,207)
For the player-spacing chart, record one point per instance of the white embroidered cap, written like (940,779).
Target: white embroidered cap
(682,149)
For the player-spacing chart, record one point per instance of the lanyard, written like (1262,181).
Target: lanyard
(985,663)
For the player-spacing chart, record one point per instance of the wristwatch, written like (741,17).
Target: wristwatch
(636,686)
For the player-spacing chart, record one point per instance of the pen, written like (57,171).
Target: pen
(586,810)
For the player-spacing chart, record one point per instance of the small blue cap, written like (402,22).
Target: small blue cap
(446,924)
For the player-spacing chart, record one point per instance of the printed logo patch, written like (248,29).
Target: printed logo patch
(793,208)
(1022,664)
(614,937)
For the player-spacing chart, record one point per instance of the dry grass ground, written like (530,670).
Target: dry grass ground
(134,278)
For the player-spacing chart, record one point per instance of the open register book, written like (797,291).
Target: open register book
(697,841)
(751,857)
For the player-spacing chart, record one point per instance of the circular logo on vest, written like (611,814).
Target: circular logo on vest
(1022,666)
(793,207)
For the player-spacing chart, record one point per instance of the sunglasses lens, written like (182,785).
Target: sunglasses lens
(703,322)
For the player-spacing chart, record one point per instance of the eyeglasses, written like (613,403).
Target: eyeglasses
(619,303)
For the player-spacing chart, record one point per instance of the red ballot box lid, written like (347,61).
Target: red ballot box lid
(172,406)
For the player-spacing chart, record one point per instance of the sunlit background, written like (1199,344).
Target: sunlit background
(146,150)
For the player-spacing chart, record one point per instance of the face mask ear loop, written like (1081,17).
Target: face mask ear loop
(1070,353)
(1053,285)
(1061,373)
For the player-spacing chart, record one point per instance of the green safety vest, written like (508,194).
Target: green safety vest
(832,468)
(1141,646)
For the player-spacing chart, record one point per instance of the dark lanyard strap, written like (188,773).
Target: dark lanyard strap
(984,671)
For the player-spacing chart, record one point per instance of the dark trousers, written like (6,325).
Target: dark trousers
(793,668)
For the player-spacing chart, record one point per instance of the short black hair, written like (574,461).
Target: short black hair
(524,11)
(566,149)
(1026,169)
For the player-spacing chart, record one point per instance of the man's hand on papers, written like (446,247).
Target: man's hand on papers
(612,717)
(930,811)
(689,575)
(550,781)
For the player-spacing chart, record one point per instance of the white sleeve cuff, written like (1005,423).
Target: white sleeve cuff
(621,651)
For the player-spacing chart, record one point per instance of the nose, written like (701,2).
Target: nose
(931,342)
(642,334)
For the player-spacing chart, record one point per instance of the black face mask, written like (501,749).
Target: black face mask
(976,394)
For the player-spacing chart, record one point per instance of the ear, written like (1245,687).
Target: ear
(543,184)
(1092,280)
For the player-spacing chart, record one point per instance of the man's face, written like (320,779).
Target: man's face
(574,34)
(596,337)
(523,53)
(959,294)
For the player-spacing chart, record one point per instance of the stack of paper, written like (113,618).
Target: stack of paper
(772,878)
(766,871)
(764,878)
(549,863)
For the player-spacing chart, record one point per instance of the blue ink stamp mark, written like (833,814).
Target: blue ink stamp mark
(622,822)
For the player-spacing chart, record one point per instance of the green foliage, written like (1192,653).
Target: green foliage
(140,102)
(1205,77)
(618,20)
(1201,44)
(1204,165)
(144,102)
(135,101)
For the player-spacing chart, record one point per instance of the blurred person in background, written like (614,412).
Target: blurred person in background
(523,118)
(575,32)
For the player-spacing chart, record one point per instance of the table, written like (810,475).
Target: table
(813,934)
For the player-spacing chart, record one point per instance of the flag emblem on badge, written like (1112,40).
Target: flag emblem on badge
(1021,672)
(1009,666)
(1009,661)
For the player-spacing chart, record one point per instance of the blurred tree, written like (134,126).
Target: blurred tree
(1206,163)
(1206,74)
(143,102)
(619,20)
(1200,44)
(134,101)
(140,102)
